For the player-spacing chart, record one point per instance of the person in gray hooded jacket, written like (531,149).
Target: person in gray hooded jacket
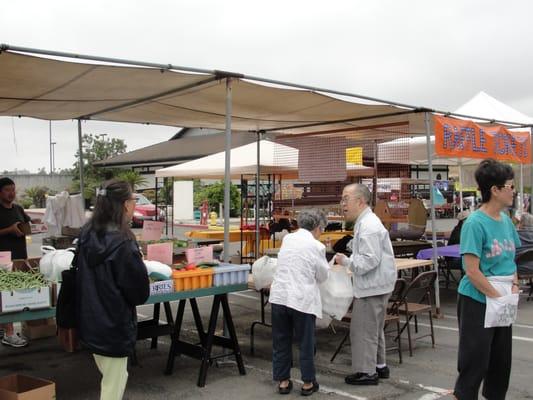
(374,276)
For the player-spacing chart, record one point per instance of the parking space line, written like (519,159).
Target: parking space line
(448,328)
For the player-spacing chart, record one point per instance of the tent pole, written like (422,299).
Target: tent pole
(80,149)
(227,167)
(257,181)
(375,178)
(461,183)
(520,204)
(432,212)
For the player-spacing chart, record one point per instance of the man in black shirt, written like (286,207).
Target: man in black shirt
(13,239)
(12,216)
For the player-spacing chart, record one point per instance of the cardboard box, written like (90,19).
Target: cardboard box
(68,338)
(39,328)
(72,232)
(162,287)
(23,387)
(27,265)
(25,299)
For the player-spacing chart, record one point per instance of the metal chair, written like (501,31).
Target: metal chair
(421,289)
(391,317)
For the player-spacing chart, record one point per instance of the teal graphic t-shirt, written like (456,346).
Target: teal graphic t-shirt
(493,242)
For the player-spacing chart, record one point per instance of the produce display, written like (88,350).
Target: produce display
(176,244)
(17,280)
(182,267)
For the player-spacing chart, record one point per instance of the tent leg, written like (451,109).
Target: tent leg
(227,176)
(80,149)
(432,212)
(257,181)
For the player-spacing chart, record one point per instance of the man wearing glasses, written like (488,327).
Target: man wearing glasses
(374,276)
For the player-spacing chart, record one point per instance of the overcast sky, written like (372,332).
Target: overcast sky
(420,52)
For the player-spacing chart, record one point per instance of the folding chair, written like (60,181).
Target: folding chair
(523,259)
(420,288)
(392,316)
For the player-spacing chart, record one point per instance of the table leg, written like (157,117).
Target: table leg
(198,321)
(175,337)
(232,333)
(156,321)
(209,340)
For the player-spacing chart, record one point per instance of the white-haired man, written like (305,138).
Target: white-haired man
(374,276)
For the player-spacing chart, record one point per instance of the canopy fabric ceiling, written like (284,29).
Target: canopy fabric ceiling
(54,89)
(244,162)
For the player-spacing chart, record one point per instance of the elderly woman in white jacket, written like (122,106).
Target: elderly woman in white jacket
(295,300)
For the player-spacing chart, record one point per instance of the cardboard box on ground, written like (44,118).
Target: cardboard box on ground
(23,387)
(39,328)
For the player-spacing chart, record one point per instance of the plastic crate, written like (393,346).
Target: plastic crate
(200,278)
(231,274)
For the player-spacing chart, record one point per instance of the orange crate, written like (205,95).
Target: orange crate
(190,280)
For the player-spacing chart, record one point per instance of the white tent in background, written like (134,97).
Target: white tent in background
(276,159)
(483,105)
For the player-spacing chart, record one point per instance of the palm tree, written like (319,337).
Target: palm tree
(133,178)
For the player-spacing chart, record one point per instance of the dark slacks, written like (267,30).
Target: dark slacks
(484,354)
(289,325)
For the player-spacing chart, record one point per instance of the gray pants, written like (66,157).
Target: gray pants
(366,333)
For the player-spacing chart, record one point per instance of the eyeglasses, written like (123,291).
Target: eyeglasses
(345,199)
(507,185)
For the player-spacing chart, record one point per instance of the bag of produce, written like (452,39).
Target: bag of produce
(263,271)
(53,262)
(336,293)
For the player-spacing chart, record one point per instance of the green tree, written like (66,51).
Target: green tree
(133,178)
(96,148)
(37,194)
(214,194)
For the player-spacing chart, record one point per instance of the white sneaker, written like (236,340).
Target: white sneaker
(15,340)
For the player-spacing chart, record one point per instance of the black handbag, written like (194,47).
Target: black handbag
(66,315)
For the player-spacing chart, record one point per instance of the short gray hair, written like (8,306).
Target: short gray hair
(311,218)
(361,191)
(526,221)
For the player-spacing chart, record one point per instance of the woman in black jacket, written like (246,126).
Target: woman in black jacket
(110,282)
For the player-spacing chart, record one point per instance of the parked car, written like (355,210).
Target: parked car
(144,209)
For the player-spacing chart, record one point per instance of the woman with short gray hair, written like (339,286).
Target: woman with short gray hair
(295,300)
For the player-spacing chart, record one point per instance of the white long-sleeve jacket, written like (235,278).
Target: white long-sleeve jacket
(302,265)
(372,259)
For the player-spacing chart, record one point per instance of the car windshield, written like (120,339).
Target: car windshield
(141,200)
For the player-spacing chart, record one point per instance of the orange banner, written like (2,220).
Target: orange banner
(466,139)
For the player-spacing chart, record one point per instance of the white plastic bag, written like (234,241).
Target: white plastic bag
(323,323)
(263,271)
(53,262)
(336,293)
(501,311)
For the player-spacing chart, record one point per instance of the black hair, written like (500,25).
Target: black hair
(109,211)
(6,182)
(491,173)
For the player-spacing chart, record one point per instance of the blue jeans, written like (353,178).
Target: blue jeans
(286,325)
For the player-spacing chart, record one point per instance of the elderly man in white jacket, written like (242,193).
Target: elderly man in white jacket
(295,300)
(374,276)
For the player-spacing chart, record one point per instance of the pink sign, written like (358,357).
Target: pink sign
(152,230)
(161,252)
(5,257)
(198,254)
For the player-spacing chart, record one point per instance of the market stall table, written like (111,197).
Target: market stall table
(443,251)
(152,328)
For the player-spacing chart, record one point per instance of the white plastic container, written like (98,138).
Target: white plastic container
(231,274)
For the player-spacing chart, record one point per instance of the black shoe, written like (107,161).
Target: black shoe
(383,373)
(285,390)
(360,378)
(311,390)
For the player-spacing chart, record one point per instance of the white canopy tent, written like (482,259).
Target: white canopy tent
(483,105)
(244,162)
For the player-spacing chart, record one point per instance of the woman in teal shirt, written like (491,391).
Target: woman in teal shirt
(488,243)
